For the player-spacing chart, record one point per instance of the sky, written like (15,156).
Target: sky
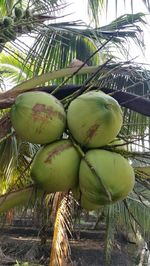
(78,8)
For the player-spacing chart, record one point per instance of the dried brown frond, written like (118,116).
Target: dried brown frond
(60,250)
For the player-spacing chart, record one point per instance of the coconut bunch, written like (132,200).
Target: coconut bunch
(73,154)
(7,30)
(16,22)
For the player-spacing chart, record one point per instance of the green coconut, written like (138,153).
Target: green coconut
(7,21)
(118,144)
(38,117)
(94,119)
(84,201)
(88,205)
(56,167)
(105,177)
(18,12)
(28,13)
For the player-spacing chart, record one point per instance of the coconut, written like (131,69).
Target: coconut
(7,21)
(56,167)
(94,119)
(18,12)
(38,117)
(84,201)
(118,144)
(87,204)
(105,177)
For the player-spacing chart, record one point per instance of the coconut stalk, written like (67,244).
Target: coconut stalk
(19,197)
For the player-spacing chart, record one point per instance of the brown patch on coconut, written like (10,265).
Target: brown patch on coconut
(41,111)
(91,132)
(57,151)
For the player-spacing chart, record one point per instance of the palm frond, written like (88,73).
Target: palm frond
(15,160)
(96,7)
(13,68)
(60,250)
(8,159)
(117,76)
(74,40)
(143,171)
(59,50)
(5,127)
(132,218)
(147,4)
(125,29)
(5,7)
(129,217)
(42,79)
(47,5)
(124,4)
(140,215)
(23,18)
(22,196)
(110,233)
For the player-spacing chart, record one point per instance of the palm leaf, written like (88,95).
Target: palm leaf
(140,215)
(15,160)
(110,232)
(73,40)
(8,159)
(22,196)
(131,217)
(65,47)
(32,15)
(5,7)
(41,79)
(96,7)
(124,4)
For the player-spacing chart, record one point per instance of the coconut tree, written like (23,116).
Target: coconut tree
(47,65)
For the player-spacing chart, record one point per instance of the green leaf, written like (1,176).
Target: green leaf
(110,232)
